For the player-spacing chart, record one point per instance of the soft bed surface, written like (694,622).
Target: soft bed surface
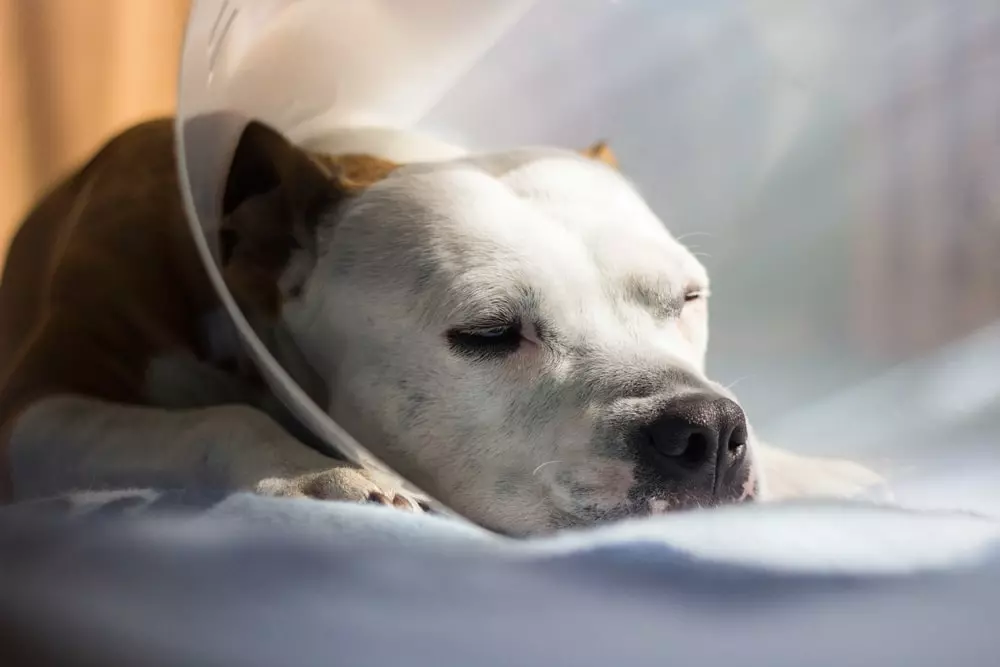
(254,581)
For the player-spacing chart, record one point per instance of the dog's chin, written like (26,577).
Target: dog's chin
(665,503)
(648,500)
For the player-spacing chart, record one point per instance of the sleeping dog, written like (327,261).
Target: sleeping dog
(516,333)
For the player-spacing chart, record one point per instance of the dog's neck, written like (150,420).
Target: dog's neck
(228,374)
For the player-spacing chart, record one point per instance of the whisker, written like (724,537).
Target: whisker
(736,382)
(680,239)
(535,472)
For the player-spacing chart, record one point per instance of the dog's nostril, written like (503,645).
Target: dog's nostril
(737,439)
(696,451)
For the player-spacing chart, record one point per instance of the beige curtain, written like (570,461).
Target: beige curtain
(72,73)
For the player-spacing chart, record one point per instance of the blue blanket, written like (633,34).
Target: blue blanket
(253,581)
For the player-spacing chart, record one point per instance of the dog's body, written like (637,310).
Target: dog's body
(516,333)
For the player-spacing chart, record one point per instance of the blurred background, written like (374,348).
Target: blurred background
(72,73)
(836,163)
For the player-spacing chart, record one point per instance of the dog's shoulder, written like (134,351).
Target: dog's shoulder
(102,277)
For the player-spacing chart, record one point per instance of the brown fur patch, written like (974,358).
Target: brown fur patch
(275,195)
(353,172)
(102,276)
(601,152)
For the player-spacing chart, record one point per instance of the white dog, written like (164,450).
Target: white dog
(518,334)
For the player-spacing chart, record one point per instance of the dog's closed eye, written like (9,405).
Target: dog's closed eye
(486,342)
(695,294)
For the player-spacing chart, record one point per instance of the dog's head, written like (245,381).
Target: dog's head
(518,334)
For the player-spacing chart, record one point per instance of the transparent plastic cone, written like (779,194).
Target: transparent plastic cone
(762,132)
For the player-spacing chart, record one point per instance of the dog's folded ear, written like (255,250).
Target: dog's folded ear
(601,152)
(276,194)
(265,162)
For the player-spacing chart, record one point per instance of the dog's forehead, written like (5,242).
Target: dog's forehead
(544,222)
(534,204)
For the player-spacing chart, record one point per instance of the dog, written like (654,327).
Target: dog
(516,333)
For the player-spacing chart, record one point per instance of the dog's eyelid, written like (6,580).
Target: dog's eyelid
(482,343)
(473,326)
(696,292)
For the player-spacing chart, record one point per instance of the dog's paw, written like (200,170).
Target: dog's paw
(345,483)
(792,476)
(838,478)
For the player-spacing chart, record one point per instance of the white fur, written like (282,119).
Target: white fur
(432,247)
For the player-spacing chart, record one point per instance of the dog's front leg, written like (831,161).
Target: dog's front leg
(69,443)
(788,475)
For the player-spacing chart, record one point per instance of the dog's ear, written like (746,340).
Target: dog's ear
(601,152)
(353,172)
(275,196)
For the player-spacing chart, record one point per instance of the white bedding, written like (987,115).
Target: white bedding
(254,581)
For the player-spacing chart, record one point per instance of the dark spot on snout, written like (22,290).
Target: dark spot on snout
(414,404)
(424,274)
(564,478)
(505,487)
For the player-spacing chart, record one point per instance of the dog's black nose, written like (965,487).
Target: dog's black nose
(696,438)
